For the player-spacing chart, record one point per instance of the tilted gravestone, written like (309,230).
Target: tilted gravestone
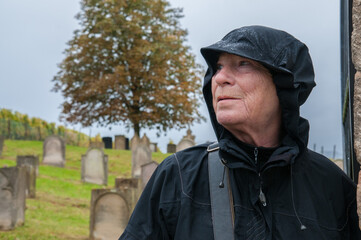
(54,151)
(141,154)
(12,197)
(94,167)
(32,165)
(147,171)
(119,142)
(110,210)
(2,139)
(187,141)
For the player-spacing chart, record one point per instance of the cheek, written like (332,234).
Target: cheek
(214,102)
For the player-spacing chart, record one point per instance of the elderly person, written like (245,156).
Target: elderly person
(256,81)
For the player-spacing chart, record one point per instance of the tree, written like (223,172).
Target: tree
(129,63)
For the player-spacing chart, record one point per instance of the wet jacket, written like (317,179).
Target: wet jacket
(306,195)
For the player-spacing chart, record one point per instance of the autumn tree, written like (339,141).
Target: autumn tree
(129,63)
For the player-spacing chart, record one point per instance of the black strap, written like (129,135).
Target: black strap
(221,196)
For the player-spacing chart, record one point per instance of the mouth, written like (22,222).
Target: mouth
(222,98)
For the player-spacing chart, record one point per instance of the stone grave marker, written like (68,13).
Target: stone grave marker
(2,139)
(94,167)
(108,142)
(119,142)
(131,187)
(186,142)
(171,148)
(147,171)
(127,143)
(54,151)
(31,163)
(12,197)
(96,145)
(153,147)
(141,154)
(110,210)
(134,142)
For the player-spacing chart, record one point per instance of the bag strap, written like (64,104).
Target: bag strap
(221,196)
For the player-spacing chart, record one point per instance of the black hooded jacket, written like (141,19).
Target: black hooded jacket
(306,195)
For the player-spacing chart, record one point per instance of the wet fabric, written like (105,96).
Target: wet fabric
(294,193)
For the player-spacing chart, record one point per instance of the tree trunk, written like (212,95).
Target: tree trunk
(136,129)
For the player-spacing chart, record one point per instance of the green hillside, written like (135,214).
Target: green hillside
(61,207)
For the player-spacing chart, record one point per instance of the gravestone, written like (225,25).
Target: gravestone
(54,151)
(127,143)
(153,147)
(119,142)
(147,171)
(108,142)
(96,145)
(94,167)
(134,142)
(140,155)
(2,139)
(110,210)
(32,168)
(12,197)
(131,187)
(187,141)
(171,148)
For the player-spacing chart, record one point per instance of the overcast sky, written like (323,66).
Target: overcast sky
(33,36)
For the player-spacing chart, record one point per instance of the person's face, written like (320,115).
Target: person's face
(243,93)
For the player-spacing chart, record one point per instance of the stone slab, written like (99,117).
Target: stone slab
(94,167)
(31,163)
(12,197)
(54,151)
(110,211)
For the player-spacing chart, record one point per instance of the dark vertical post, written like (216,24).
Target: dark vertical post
(347,89)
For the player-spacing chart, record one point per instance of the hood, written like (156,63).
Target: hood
(285,57)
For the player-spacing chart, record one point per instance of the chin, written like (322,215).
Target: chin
(229,120)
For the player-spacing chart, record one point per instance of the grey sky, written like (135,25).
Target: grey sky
(34,35)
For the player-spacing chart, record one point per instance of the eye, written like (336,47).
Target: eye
(219,66)
(244,63)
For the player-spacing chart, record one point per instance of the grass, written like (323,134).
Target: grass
(60,210)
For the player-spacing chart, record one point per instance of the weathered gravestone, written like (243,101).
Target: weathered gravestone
(54,151)
(134,142)
(147,171)
(132,187)
(108,142)
(153,147)
(32,165)
(12,197)
(141,154)
(119,142)
(94,166)
(2,139)
(187,141)
(96,145)
(171,148)
(110,211)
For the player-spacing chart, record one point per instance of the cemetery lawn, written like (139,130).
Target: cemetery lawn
(61,209)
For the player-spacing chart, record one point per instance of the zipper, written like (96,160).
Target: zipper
(255,155)
(261,197)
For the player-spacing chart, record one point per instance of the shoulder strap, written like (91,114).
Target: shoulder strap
(221,196)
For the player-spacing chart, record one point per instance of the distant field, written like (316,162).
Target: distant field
(61,207)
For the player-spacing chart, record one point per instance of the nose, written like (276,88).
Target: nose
(223,76)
